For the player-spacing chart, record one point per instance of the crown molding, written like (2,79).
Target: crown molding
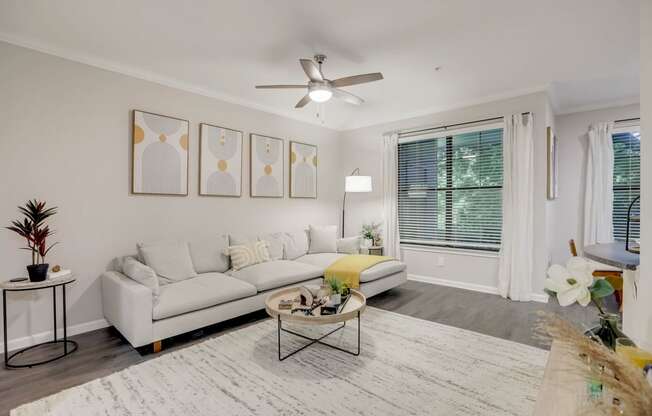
(149,76)
(600,106)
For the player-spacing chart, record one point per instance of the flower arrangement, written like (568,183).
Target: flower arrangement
(575,283)
(36,233)
(372,232)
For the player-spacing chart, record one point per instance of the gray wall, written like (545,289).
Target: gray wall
(65,138)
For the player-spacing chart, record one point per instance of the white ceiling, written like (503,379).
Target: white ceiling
(585,52)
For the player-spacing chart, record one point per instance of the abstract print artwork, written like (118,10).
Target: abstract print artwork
(220,161)
(266,166)
(303,170)
(160,154)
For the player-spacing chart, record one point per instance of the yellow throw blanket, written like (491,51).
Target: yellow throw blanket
(348,268)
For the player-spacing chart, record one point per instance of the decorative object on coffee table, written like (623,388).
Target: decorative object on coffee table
(337,288)
(36,232)
(62,279)
(353,308)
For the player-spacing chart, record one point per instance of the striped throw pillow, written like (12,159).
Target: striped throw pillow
(248,254)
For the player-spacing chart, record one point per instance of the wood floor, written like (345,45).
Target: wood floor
(104,351)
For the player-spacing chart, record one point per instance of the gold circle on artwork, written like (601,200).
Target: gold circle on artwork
(314,160)
(268,169)
(162,138)
(139,134)
(293,157)
(183,142)
(222,165)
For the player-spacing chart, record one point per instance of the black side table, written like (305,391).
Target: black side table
(68,346)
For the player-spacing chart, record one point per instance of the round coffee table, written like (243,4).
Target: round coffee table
(351,310)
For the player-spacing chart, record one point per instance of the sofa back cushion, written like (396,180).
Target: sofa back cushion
(349,245)
(275,244)
(207,254)
(170,260)
(296,244)
(141,273)
(248,254)
(323,239)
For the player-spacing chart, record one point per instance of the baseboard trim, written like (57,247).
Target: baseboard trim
(34,339)
(536,297)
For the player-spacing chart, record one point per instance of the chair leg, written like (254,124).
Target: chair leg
(157,346)
(619,299)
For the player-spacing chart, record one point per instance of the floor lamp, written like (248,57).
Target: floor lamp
(354,183)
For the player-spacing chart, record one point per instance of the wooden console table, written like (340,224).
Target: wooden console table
(561,393)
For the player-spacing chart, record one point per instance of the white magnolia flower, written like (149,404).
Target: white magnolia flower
(571,283)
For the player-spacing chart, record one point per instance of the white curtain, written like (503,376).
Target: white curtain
(515,265)
(599,195)
(390,196)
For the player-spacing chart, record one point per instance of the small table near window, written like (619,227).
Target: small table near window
(375,250)
(68,346)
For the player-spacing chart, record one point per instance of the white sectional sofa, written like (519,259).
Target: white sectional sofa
(212,293)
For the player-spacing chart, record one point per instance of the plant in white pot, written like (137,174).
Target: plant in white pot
(338,288)
(36,232)
(371,234)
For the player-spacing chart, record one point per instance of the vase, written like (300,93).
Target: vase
(608,330)
(38,272)
(336,299)
(367,242)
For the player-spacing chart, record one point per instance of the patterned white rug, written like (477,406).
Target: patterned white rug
(408,366)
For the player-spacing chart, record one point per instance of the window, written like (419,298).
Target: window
(450,189)
(627,181)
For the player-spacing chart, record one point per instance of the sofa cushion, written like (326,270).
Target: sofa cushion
(275,243)
(323,239)
(248,255)
(321,260)
(277,273)
(296,244)
(384,269)
(170,260)
(208,254)
(141,273)
(203,291)
(349,245)
(241,239)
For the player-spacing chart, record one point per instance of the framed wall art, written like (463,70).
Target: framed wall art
(303,170)
(266,166)
(159,154)
(220,161)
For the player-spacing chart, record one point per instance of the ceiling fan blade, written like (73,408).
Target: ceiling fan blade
(311,69)
(302,102)
(357,79)
(273,87)
(347,96)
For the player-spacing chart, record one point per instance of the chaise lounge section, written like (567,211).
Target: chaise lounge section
(181,287)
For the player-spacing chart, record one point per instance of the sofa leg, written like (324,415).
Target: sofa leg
(157,346)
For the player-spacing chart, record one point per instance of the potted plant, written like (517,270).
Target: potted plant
(36,232)
(371,234)
(338,288)
(575,283)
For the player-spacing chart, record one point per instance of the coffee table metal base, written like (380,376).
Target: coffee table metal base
(314,340)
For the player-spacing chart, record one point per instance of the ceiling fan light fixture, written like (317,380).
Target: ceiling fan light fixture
(320,94)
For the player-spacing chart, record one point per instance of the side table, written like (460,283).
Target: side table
(376,250)
(68,346)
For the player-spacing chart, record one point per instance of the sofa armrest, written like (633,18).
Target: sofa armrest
(128,306)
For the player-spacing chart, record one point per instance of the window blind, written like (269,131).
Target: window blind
(626,182)
(450,190)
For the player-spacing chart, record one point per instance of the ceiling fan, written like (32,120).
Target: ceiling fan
(321,89)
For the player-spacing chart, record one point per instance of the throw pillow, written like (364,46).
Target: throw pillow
(170,260)
(248,255)
(208,254)
(141,273)
(296,244)
(323,239)
(275,244)
(349,245)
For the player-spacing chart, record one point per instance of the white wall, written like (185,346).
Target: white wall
(643,309)
(569,207)
(362,148)
(65,138)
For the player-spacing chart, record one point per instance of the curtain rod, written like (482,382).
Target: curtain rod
(625,120)
(433,129)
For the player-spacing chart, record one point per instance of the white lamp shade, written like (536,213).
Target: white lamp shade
(357,184)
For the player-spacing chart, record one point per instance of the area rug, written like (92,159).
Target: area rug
(408,366)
